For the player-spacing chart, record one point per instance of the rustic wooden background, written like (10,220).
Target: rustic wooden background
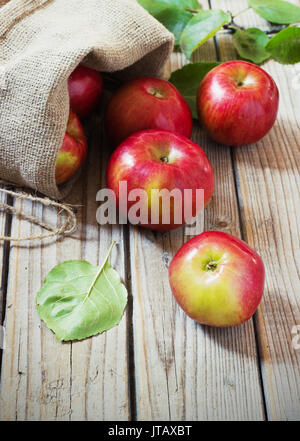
(158,364)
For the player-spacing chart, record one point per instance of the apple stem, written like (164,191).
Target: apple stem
(156,93)
(211,266)
(164,159)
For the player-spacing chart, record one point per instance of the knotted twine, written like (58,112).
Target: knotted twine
(67,227)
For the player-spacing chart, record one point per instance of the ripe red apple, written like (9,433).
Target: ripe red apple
(217,279)
(157,160)
(85,87)
(72,152)
(147,103)
(237,103)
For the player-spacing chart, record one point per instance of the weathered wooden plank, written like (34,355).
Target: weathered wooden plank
(170,361)
(268,172)
(41,377)
(185,371)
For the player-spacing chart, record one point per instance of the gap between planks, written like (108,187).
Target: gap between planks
(5,228)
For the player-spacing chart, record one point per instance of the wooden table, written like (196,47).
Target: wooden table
(158,364)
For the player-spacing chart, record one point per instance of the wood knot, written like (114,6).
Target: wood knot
(222,224)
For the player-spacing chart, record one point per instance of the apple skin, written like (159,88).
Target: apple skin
(85,87)
(227,295)
(147,103)
(139,161)
(237,103)
(73,150)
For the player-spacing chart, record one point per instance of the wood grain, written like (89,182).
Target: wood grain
(268,174)
(41,377)
(185,371)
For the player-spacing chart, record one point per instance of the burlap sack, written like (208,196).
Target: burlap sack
(41,42)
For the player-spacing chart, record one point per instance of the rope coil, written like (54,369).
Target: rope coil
(68,226)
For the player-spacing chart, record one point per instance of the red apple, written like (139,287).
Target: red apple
(217,279)
(156,160)
(72,152)
(147,103)
(237,103)
(85,87)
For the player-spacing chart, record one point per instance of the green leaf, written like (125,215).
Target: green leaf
(173,14)
(182,4)
(276,11)
(78,300)
(190,4)
(201,27)
(187,81)
(154,7)
(285,46)
(250,44)
(174,20)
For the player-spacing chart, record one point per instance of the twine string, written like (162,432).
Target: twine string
(68,226)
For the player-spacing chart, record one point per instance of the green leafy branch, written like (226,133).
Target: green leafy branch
(192,26)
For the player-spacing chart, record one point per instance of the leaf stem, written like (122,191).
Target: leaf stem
(233,27)
(193,11)
(99,271)
(241,12)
